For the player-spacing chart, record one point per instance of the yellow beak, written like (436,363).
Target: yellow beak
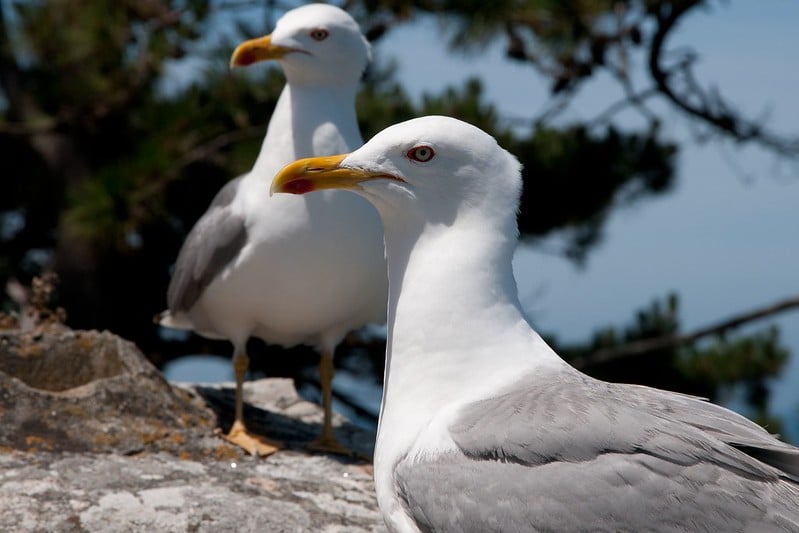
(256,50)
(317,173)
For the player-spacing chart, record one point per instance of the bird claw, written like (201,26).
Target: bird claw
(251,443)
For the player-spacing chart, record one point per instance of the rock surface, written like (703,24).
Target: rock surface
(64,390)
(92,438)
(288,491)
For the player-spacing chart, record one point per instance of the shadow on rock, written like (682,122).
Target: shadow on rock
(273,408)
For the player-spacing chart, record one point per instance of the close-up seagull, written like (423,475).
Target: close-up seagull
(483,427)
(289,270)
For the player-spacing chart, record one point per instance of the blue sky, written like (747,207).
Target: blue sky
(726,240)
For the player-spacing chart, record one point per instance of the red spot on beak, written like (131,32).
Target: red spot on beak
(298,186)
(246,58)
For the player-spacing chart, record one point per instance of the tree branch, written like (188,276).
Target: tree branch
(709,107)
(675,340)
(632,99)
(209,148)
(43,125)
(204,151)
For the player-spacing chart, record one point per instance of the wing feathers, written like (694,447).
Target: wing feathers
(567,452)
(214,241)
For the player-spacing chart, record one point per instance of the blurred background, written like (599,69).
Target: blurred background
(660,216)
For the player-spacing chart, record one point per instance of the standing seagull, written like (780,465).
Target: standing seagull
(483,427)
(286,269)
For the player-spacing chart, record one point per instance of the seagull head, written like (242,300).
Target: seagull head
(436,169)
(315,44)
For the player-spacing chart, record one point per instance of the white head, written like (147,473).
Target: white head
(431,170)
(316,44)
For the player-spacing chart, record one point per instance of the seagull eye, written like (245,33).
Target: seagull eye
(422,154)
(319,34)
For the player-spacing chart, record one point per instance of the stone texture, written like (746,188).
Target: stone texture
(288,491)
(64,390)
(92,438)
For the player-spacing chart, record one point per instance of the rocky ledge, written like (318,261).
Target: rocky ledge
(92,438)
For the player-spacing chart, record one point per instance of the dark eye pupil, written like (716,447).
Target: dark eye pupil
(421,154)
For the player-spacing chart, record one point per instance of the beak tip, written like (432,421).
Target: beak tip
(294,185)
(255,50)
(242,59)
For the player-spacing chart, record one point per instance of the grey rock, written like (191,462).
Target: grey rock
(288,491)
(92,438)
(65,390)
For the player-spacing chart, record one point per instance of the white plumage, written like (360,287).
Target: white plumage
(482,426)
(289,270)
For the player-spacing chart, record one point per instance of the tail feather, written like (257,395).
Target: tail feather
(168,320)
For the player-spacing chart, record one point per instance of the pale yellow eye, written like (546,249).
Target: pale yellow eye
(422,154)
(319,34)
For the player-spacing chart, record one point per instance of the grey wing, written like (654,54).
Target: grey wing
(527,422)
(722,424)
(214,241)
(574,454)
(609,493)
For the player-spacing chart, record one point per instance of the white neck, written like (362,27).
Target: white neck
(307,121)
(455,325)
(456,333)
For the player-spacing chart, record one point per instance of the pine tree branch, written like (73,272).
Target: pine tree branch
(213,147)
(32,127)
(706,106)
(635,100)
(675,340)
(206,151)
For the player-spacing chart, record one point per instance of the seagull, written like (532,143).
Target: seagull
(483,427)
(289,270)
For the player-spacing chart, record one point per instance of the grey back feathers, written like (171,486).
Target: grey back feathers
(569,453)
(212,244)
